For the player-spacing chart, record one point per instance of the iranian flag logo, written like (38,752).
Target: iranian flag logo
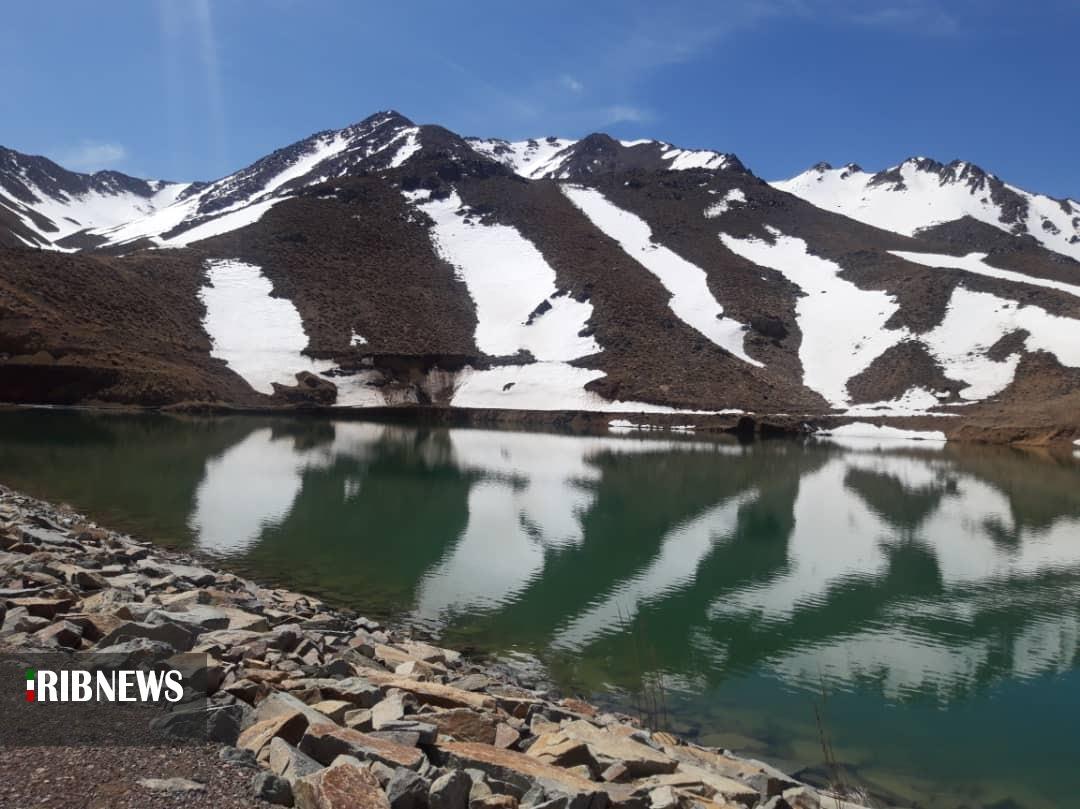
(31,676)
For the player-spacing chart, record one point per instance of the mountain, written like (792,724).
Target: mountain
(393,264)
(920,193)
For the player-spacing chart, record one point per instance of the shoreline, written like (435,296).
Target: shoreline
(319,694)
(743,426)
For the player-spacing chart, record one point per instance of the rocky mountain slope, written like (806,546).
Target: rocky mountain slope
(393,264)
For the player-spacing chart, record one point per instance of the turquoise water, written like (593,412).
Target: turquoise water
(917,605)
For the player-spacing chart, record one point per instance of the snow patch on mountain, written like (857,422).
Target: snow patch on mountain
(834,348)
(735,196)
(517,302)
(918,194)
(531,158)
(976,263)
(685,159)
(259,336)
(975,321)
(242,217)
(93,209)
(691,300)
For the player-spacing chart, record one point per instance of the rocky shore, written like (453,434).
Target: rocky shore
(320,708)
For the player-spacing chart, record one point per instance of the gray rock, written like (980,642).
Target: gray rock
(407,790)
(450,791)
(391,709)
(173,786)
(198,617)
(174,635)
(356,690)
(406,738)
(217,723)
(425,731)
(280,703)
(272,789)
(131,653)
(288,762)
(239,757)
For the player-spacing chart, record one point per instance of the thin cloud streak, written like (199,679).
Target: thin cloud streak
(90,156)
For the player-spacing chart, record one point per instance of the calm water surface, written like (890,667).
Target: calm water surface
(925,601)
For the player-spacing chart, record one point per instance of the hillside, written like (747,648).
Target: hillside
(405,265)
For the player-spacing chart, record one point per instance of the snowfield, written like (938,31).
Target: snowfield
(926,200)
(508,279)
(261,337)
(833,349)
(733,197)
(976,263)
(90,210)
(691,300)
(530,158)
(975,321)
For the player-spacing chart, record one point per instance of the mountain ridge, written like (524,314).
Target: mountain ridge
(395,264)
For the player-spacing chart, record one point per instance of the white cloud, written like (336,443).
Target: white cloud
(571,84)
(624,113)
(90,156)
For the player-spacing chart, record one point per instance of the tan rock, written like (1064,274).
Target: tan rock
(325,742)
(345,784)
(608,748)
(358,719)
(433,693)
(700,781)
(494,802)
(464,725)
(521,771)
(289,726)
(505,736)
(334,708)
(561,750)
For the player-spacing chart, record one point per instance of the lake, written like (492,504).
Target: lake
(915,604)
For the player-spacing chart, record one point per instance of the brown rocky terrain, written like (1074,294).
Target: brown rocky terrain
(122,323)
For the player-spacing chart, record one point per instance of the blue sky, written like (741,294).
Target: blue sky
(193,89)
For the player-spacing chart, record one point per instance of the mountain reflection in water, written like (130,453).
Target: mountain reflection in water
(899,573)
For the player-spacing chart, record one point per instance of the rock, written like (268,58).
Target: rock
(359,719)
(356,690)
(174,786)
(407,790)
(63,633)
(324,742)
(494,802)
(663,798)
(406,738)
(442,696)
(607,748)
(176,636)
(273,789)
(132,653)
(450,791)
(425,732)
(472,682)
(345,784)
(465,725)
(522,772)
(505,736)
(42,607)
(702,781)
(415,670)
(616,772)
(279,703)
(309,389)
(199,618)
(289,762)
(290,727)
(334,708)
(216,723)
(241,758)
(88,580)
(19,619)
(239,619)
(562,751)
(392,708)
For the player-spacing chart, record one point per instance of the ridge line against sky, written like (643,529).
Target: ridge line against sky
(196,89)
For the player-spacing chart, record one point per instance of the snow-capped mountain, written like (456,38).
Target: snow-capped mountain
(920,193)
(44,203)
(396,264)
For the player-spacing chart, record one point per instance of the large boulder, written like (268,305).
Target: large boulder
(325,742)
(345,784)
